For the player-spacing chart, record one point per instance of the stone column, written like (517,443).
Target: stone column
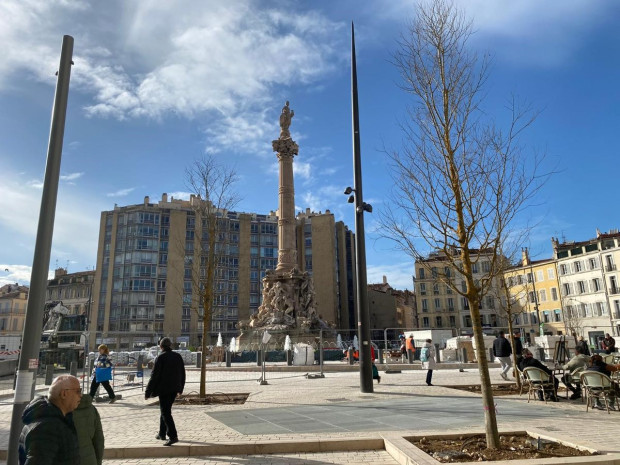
(287,250)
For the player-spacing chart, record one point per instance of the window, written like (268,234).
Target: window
(436,289)
(542,295)
(526,318)
(467,320)
(540,276)
(425,322)
(530,277)
(486,267)
(424,305)
(550,273)
(450,304)
(596,285)
(531,297)
(437,304)
(566,288)
(438,322)
(554,293)
(546,317)
(557,315)
(421,273)
(577,266)
(422,289)
(465,303)
(490,302)
(474,268)
(563,269)
(581,286)
(592,263)
(452,321)
(533,318)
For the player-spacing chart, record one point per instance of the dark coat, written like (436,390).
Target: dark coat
(518,346)
(48,436)
(501,347)
(583,347)
(532,362)
(168,375)
(90,433)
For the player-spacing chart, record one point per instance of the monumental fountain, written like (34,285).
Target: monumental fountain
(288,293)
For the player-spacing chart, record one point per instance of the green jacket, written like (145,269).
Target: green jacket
(90,433)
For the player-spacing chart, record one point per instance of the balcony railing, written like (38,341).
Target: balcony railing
(610,267)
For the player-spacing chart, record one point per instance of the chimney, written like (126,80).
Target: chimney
(164,197)
(525,257)
(384,279)
(147,200)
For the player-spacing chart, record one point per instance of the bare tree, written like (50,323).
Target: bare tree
(459,180)
(214,188)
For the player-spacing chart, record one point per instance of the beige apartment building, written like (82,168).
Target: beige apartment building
(148,253)
(535,299)
(440,307)
(13,303)
(74,290)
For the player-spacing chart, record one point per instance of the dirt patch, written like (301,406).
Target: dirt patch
(498,389)
(209,399)
(512,447)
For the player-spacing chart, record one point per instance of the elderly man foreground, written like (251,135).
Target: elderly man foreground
(49,436)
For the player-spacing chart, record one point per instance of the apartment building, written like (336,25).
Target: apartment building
(13,303)
(589,284)
(439,306)
(74,290)
(535,299)
(148,254)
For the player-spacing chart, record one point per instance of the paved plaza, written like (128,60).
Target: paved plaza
(295,420)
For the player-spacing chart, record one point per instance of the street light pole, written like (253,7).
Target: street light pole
(363,317)
(31,341)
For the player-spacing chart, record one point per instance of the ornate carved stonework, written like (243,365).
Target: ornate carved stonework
(288,294)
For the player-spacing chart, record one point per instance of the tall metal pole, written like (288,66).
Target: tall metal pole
(31,339)
(363,317)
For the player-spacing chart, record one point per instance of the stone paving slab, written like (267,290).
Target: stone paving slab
(132,422)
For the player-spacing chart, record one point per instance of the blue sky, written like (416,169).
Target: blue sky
(157,85)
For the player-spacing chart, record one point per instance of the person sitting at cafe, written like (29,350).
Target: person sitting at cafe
(572,370)
(598,364)
(529,361)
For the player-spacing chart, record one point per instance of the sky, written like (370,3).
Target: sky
(156,85)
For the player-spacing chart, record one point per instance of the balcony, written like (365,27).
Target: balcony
(610,267)
(614,290)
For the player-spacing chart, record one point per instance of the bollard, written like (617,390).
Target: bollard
(380,355)
(49,374)
(464,354)
(491,356)
(437,354)
(198,359)
(140,365)
(351,360)
(73,368)
(228,358)
(289,357)
(259,354)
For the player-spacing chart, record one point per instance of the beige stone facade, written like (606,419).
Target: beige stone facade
(74,290)
(13,303)
(148,252)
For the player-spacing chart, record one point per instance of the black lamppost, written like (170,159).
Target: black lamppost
(363,317)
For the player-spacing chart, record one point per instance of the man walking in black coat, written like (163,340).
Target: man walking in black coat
(503,351)
(167,381)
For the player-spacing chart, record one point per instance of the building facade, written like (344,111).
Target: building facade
(535,299)
(149,253)
(440,307)
(74,290)
(13,303)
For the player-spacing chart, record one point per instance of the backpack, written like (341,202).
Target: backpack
(424,354)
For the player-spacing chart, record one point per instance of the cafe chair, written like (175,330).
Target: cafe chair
(539,380)
(597,387)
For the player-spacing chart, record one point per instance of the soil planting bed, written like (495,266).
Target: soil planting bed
(209,399)
(512,447)
(498,389)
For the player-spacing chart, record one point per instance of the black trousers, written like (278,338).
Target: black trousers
(429,376)
(166,422)
(106,385)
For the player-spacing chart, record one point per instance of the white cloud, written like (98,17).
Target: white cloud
(11,274)
(70,176)
(76,223)
(121,192)
(398,274)
(35,183)
(302,170)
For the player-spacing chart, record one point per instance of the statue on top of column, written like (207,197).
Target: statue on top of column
(285,121)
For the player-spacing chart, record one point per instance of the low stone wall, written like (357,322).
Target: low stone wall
(7,367)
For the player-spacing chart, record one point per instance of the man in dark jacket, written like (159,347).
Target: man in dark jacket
(503,351)
(167,380)
(529,361)
(583,346)
(49,436)
(609,344)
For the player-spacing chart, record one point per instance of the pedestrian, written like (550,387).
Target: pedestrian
(90,432)
(403,345)
(167,381)
(583,346)
(375,371)
(410,348)
(102,373)
(609,344)
(427,357)
(49,435)
(503,351)
(518,350)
